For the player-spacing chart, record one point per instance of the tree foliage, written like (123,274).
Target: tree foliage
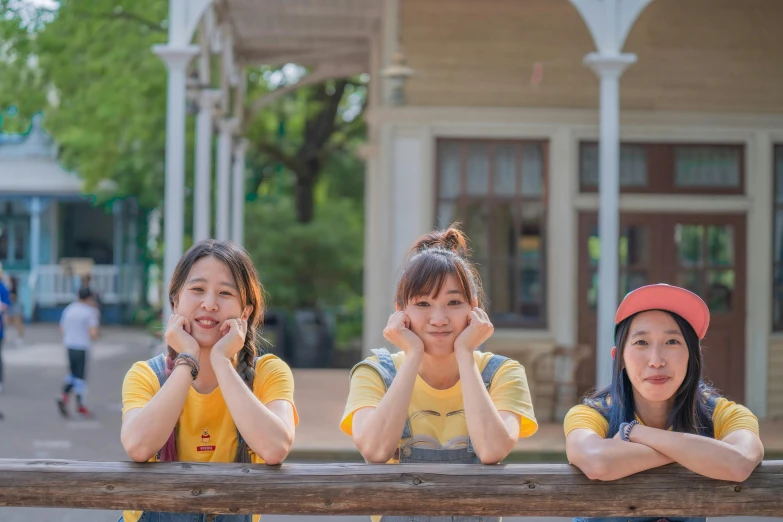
(88,66)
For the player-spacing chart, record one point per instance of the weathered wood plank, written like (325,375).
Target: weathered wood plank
(359,489)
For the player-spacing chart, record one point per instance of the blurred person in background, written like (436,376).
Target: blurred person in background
(79,325)
(5,303)
(15,312)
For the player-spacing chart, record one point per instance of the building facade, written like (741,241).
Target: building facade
(499,131)
(51,234)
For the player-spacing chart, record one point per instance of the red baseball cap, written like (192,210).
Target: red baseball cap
(669,298)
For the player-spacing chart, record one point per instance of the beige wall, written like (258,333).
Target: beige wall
(775,380)
(694,55)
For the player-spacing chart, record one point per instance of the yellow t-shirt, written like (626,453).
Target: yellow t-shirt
(727,417)
(207,432)
(440,413)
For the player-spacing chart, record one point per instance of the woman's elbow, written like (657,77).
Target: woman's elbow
(136,451)
(592,467)
(374,455)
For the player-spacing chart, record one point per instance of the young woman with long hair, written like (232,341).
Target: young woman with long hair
(210,397)
(658,408)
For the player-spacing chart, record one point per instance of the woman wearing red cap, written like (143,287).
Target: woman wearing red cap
(658,409)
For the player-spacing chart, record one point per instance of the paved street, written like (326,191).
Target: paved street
(33,428)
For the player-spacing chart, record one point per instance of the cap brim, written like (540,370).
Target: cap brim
(673,299)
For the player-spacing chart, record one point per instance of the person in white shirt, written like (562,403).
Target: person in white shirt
(79,327)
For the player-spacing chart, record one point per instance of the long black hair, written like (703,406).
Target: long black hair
(694,401)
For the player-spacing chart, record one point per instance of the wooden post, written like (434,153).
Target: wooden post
(361,489)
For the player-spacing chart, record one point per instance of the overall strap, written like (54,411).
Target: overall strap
(489,371)
(158,365)
(387,370)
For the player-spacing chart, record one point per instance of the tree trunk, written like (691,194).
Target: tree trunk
(304,197)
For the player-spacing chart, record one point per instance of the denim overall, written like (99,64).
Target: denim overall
(603,411)
(409,453)
(158,365)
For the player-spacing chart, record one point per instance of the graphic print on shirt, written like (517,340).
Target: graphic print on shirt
(205,440)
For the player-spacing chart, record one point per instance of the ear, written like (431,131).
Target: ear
(474,304)
(614,352)
(246,312)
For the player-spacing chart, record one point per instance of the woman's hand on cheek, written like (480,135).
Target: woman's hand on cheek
(234,332)
(479,329)
(179,338)
(398,333)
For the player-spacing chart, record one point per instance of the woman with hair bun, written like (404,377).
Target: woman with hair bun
(439,399)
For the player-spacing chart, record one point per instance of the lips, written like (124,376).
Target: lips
(658,379)
(206,322)
(440,334)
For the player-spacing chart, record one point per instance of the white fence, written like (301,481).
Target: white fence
(53,284)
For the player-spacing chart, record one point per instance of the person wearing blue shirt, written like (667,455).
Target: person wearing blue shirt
(5,302)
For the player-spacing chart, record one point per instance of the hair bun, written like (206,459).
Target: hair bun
(452,239)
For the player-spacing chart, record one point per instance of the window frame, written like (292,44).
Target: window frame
(777,156)
(492,201)
(661,170)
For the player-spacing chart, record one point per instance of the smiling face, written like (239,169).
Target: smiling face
(655,356)
(439,319)
(208,297)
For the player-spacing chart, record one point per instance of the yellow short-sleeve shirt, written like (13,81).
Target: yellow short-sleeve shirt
(727,417)
(207,432)
(440,414)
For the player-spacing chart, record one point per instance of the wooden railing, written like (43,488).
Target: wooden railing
(408,489)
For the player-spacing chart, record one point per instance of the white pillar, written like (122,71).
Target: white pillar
(36,207)
(176,60)
(226,129)
(609,68)
(238,194)
(202,209)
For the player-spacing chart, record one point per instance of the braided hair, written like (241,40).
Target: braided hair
(245,276)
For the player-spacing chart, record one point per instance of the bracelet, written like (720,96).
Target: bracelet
(625,430)
(191,361)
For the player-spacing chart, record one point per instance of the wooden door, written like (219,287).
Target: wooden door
(704,253)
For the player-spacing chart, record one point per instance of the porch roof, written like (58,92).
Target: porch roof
(307,32)
(37,176)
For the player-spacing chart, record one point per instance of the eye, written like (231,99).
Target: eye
(673,341)
(455,302)
(640,342)
(422,303)
(197,289)
(226,293)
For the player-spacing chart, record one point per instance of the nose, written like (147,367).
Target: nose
(438,317)
(209,302)
(656,358)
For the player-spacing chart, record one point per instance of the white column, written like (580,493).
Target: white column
(609,68)
(36,207)
(238,193)
(176,60)
(202,209)
(118,222)
(225,138)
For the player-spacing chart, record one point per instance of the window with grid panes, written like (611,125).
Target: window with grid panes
(777,243)
(496,190)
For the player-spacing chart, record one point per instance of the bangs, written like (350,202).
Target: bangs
(426,275)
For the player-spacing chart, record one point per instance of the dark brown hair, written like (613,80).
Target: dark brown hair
(431,259)
(250,294)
